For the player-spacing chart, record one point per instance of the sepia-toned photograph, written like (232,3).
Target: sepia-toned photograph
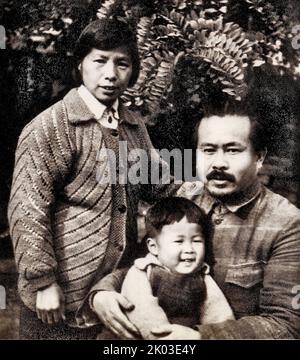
(149,170)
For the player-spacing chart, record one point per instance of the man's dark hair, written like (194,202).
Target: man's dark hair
(108,34)
(167,211)
(258,136)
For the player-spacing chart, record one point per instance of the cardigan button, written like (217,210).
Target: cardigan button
(122,209)
(120,247)
(218,221)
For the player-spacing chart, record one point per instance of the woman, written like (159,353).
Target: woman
(62,218)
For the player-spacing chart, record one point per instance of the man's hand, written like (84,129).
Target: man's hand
(175,332)
(50,305)
(108,305)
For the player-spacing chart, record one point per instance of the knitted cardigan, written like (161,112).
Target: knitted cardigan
(59,214)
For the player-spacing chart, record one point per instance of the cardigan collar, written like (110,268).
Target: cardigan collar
(78,112)
(97,107)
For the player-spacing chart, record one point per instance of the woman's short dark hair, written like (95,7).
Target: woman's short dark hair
(108,34)
(169,210)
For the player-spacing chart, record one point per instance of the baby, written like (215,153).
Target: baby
(171,283)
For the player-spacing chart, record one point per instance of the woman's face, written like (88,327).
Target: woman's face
(106,73)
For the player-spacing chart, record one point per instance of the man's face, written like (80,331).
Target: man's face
(179,246)
(226,161)
(106,73)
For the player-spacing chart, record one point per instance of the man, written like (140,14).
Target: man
(256,239)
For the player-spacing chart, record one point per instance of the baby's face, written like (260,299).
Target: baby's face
(180,246)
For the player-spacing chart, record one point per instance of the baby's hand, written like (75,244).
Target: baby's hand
(190,190)
(50,305)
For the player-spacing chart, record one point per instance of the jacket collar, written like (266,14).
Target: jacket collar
(207,202)
(78,112)
(149,259)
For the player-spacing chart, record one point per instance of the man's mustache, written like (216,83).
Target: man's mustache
(220,175)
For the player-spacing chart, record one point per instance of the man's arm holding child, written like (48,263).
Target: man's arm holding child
(110,306)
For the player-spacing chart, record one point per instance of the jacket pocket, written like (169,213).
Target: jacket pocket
(245,275)
(243,283)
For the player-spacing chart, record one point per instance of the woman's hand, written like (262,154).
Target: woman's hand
(110,306)
(175,332)
(50,305)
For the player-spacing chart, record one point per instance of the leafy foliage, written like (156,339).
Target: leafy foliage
(219,42)
(200,35)
(45,27)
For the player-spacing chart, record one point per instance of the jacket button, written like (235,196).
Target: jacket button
(114,132)
(122,208)
(218,221)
